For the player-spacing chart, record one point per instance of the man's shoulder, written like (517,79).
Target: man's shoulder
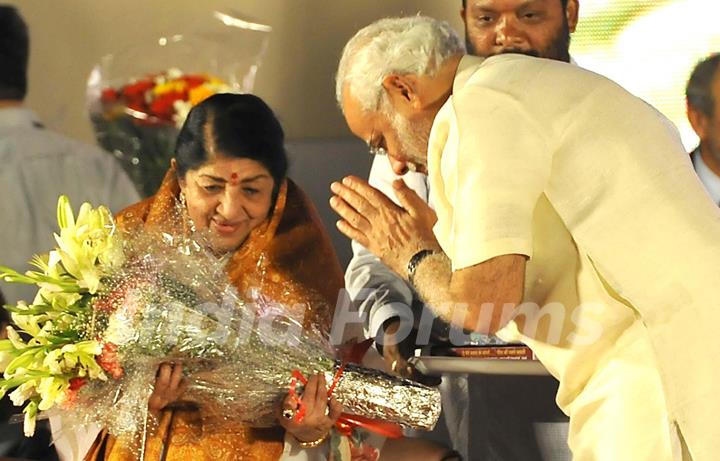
(45,145)
(542,87)
(71,146)
(520,73)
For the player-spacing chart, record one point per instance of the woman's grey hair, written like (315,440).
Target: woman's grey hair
(416,45)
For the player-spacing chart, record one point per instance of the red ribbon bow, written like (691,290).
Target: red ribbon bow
(346,422)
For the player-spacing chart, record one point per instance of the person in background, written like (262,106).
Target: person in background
(39,165)
(471,404)
(703,110)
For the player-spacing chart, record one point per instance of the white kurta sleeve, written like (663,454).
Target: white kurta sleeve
(495,179)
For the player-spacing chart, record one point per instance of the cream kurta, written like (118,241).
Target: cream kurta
(535,157)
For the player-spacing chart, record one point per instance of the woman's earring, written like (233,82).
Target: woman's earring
(183,205)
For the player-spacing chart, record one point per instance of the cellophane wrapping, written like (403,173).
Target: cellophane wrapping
(139,96)
(112,307)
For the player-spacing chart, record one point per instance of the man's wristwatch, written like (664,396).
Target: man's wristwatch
(415,262)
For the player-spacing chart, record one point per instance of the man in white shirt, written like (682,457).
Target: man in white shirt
(538,28)
(703,109)
(559,198)
(39,165)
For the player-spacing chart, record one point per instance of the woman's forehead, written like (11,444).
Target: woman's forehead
(232,168)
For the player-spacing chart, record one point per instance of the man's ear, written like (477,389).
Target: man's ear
(698,121)
(571,13)
(402,90)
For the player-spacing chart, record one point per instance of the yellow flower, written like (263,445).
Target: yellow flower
(84,243)
(170,86)
(52,391)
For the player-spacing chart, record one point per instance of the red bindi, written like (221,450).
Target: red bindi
(234,177)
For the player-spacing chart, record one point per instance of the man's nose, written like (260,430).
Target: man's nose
(507,33)
(399,167)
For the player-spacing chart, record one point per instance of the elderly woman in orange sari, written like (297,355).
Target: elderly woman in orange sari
(229,176)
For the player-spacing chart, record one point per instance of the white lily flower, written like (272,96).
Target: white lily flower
(90,279)
(22,393)
(54,268)
(53,363)
(15,338)
(28,323)
(62,300)
(52,391)
(70,361)
(89,347)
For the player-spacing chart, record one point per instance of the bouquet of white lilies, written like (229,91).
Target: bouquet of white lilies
(112,306)
(56,355)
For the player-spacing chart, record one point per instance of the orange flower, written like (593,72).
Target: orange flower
(109,362)
(199,94)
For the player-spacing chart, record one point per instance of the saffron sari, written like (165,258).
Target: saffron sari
(291,256)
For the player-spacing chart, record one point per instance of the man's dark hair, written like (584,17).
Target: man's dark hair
(699,87)
(14,52)
(564,3)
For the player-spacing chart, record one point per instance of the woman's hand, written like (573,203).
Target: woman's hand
(320,414)
(169,387)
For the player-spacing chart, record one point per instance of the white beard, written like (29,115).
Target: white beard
(414,138)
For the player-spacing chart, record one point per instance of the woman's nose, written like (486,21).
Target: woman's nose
(232,206)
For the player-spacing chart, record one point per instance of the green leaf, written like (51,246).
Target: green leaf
(36,309)
(13,276)
(63,337)
(21,361)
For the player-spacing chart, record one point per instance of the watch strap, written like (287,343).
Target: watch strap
(415,261)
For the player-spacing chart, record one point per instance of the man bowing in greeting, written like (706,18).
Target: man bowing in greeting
(568,218)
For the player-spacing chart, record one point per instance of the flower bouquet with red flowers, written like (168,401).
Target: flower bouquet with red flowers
(138,98)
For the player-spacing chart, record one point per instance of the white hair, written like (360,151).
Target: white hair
(416,45)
